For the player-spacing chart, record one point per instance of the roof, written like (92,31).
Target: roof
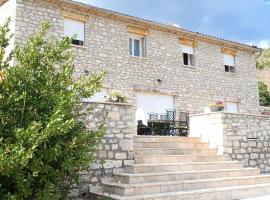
(168,27)
(164,27)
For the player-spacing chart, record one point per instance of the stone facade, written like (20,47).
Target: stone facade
(242,137)
(116,149)
(106,48)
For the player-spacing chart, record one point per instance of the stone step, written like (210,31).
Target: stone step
(142,139)
(173,151)
(220,193)
(177,167)
(177,158)
(127,178)
(187,185)
(182,145)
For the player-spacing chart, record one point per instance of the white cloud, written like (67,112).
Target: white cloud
(264,44)
(267,2)
(261,44)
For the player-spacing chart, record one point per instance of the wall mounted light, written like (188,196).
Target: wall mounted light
(159,81)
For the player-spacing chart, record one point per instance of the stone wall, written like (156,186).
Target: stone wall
(117,145)
(242,137)
(106,48)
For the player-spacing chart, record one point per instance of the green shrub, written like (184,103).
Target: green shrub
(264,94)
(43,142)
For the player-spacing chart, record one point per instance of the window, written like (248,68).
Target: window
(229,63)
(188,55)
(137,46)
(232,107)
(74,28)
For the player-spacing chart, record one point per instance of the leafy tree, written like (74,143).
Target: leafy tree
(264,94)
(43,140)
(263,59)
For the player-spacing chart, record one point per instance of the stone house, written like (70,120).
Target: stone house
(160,67)
(193,69)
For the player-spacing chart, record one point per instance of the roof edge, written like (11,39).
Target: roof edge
(2,2)
(165,27)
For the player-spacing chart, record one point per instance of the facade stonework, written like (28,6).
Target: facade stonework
(242,137)
(116,149)
(106,48)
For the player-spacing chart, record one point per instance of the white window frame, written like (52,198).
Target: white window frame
(189,50)
(229,61)
(191,61)
(134,37)
(70,35)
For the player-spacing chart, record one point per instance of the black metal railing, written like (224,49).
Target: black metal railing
(170,123)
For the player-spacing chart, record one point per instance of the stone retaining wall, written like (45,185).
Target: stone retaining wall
(117,144)
(242,137)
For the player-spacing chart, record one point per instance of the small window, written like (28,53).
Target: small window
(232,107)
(74,28)
(229,63)
(137,46)
(188,57)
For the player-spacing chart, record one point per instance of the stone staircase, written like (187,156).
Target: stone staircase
(182,168)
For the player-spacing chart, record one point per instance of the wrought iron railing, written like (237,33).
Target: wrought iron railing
(173,123)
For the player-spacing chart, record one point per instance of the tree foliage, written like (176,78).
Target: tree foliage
(264,94)
(263,59)
(43,140)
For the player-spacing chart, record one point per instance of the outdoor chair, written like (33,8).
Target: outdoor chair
(143,129)
(170,114)
(153,116)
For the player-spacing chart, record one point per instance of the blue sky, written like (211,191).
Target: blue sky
(246,21)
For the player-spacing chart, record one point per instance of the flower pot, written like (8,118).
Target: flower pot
(114,99)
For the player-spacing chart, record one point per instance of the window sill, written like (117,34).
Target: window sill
(190,66)
(106,103)
(230,74)
(78,46)
(138,57)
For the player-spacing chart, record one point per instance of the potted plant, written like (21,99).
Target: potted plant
(117,97)
(217,106)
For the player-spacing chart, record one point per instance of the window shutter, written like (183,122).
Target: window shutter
(73,27)
(144,46)
(228,59)
(187,49)
(130,46)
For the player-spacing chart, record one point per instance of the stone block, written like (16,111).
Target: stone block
(121,156)
(109,164)
(126,144)
(114,146)
(254,156)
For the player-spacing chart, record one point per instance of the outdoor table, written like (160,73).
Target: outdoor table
(160,127)
(167,127)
